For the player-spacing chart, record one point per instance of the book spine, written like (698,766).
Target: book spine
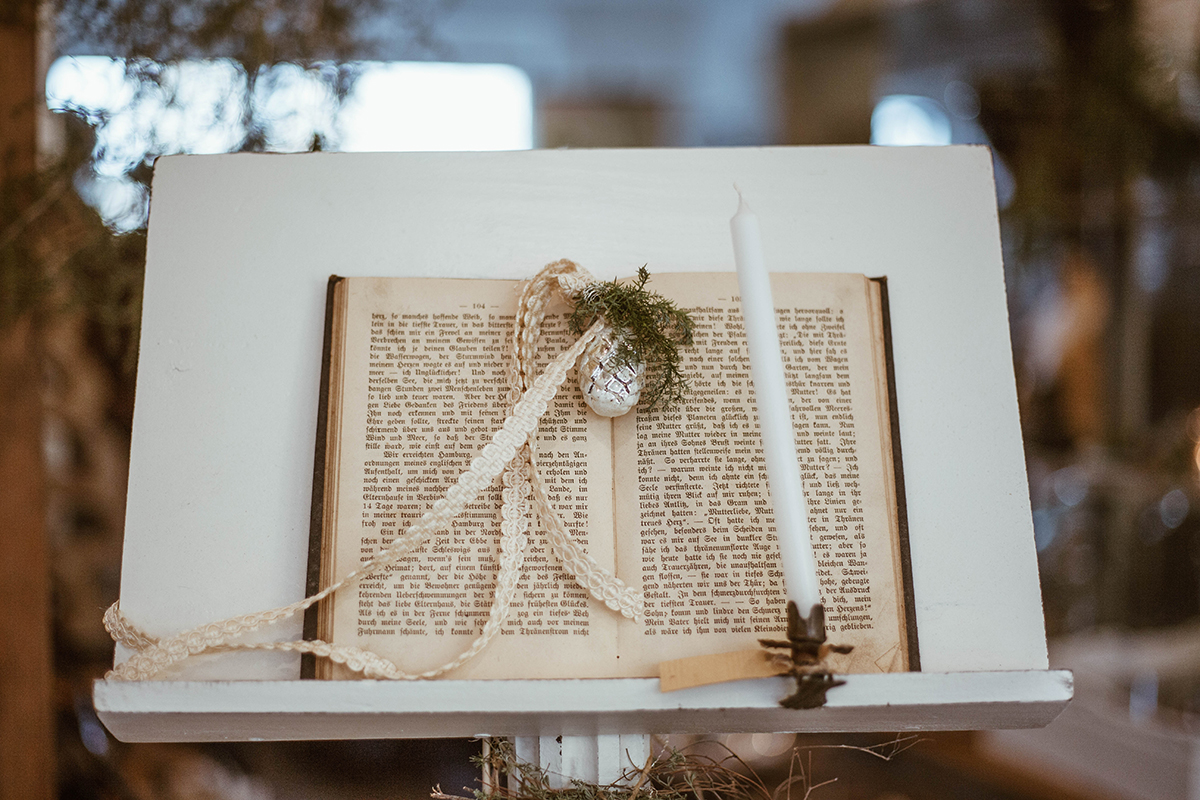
(312,583)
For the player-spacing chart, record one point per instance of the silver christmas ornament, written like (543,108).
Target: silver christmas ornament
(609,389)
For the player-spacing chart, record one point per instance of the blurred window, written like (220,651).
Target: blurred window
(141,110)
(906,119)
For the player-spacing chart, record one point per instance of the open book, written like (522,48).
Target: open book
(674,502)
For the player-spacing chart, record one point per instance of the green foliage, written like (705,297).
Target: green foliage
(1103,112)
(251,32)
(106,280)
(57,257)
(647,327)
(21,288)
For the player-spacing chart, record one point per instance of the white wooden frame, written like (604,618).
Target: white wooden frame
(240,247)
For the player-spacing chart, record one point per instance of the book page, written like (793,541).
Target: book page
(424,386)
(677,501)
(696,530)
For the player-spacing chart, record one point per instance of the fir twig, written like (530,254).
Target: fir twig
(648,328)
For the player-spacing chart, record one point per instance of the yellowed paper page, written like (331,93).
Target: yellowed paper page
(425,365)
(695,527)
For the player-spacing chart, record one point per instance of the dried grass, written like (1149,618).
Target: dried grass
(671,775)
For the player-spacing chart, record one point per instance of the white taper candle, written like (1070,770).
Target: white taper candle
(774,413)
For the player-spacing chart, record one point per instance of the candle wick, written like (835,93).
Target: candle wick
(743,206)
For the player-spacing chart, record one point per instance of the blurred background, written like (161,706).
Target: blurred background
(1092,111)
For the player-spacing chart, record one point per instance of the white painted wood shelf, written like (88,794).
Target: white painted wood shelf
(239,251)
(269,710)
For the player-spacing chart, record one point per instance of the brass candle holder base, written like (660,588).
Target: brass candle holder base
(805,659)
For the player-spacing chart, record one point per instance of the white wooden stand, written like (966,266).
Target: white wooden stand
(602,758)
(217,522)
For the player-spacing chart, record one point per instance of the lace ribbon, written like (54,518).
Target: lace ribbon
(511,451)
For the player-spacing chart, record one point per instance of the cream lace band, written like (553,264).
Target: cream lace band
(511,451)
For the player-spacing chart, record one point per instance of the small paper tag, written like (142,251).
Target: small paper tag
(684,673)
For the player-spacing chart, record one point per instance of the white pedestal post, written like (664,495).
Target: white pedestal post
(598,759)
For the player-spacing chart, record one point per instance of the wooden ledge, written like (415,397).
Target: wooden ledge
(195,711)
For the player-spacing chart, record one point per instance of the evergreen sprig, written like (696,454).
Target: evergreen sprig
(647,327)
